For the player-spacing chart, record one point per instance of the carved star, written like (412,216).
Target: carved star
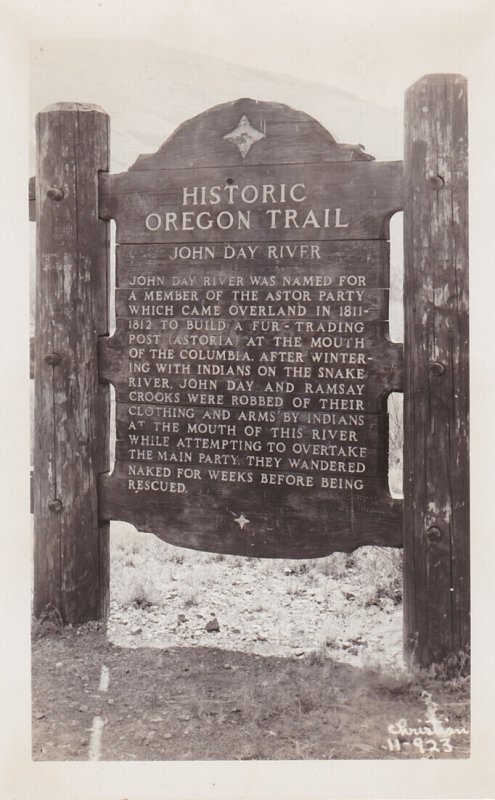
(244,136)
(242,521)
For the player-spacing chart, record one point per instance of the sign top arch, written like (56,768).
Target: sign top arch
(247,132)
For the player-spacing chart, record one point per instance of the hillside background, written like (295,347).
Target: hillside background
(149,90)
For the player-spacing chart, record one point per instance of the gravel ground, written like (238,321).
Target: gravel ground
(348,606)
(208,657)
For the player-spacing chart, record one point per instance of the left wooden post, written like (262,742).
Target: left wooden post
(71,445)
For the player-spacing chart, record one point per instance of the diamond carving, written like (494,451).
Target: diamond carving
(244,136)
(241,521)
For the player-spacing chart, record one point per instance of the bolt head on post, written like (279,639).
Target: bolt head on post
(55,193)
(53,359)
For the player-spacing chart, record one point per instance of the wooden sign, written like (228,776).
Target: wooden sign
(251,358)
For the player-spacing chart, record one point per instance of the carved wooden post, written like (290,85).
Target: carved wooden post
(71,564)
(436,514)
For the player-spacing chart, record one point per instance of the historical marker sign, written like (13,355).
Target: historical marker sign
(251,357)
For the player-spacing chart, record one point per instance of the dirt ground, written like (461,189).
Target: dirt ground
(93,700)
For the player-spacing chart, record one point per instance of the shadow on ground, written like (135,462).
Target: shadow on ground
(206,703)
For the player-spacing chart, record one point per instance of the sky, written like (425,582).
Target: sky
(373,48)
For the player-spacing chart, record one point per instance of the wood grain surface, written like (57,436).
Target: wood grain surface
(221,357)
(71,560)
(436,399)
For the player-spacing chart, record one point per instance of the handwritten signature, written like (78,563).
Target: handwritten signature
(431,737)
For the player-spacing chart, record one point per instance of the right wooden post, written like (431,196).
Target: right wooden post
(436,387)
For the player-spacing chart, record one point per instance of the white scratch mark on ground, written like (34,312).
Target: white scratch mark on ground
(104,679)
(94,751)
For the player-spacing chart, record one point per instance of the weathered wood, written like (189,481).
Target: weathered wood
(232,339)
(135,369)
(32,199)
(31,357)
(436,478)
(272,521)
(374,428)
(71,569)
(354,201)
(265,302)
(230,263)
(210,139)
